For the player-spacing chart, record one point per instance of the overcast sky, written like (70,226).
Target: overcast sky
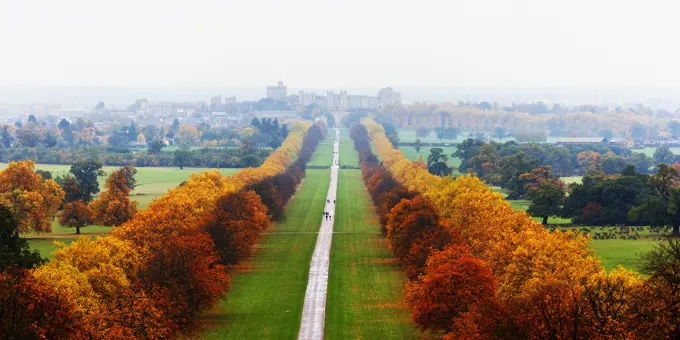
(335,44)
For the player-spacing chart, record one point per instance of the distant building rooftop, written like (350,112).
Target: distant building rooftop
(581,140)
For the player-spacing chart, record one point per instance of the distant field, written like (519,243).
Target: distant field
(152,183)
(650,151)
(411,153)
(614,252)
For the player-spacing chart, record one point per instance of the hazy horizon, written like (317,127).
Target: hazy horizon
(351,44)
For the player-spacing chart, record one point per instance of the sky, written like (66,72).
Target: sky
(340,44)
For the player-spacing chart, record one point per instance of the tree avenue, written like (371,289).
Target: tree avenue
(502,275)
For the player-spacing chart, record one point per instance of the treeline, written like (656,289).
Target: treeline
(631,123)
(508,277)
(240,157)
(158,272)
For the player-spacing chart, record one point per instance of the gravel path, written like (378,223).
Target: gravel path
(314,309)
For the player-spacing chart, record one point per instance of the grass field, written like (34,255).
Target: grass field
(649,151)
(152,182)
(365,288)
(267,293)
(614,252)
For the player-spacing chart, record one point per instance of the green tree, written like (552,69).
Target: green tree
(417,145)
(14,251)
(436,162)
(546,193)
(641,162)
(664,155)
(182,158)
(7,138)
(132,132)
(86,174)
(174,128)
(63,124)
(155,146)
(394,139)
(662,208)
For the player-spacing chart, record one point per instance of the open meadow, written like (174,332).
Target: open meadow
(152,182)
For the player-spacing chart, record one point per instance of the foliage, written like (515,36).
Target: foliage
(14,251)
(75,215)
(661,208)
(606,200)
(33,310)
(545,191)
(113,207)
(235,224)
(86,174)
(32,200)
(436,162)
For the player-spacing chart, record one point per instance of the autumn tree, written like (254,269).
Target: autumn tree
(235,224)
(413,231)
(456,289)
(33,201)
(75,215)
(186,271)
(33,310)
(113,207)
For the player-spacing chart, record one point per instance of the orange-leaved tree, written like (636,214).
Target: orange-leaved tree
(33,201)
(30,309)
(113,207)
(235,224)
(413,231)
(75,215)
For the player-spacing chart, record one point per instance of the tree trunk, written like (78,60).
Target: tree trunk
(545,220)
(676,231)
(77,230)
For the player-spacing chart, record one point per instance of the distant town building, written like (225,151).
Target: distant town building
(216,101)
(306,98)
(278,92)
(336,101)
(71,113)
(230,100)
(389,97)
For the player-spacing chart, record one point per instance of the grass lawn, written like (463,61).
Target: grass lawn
(152,182)
(614,252)
(267,291)
(46,246)
(411,153)
(365,288)
(323,156)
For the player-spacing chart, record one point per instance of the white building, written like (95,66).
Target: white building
(278,92)
(71,113)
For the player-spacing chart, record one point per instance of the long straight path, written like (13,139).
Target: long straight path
(314,308)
